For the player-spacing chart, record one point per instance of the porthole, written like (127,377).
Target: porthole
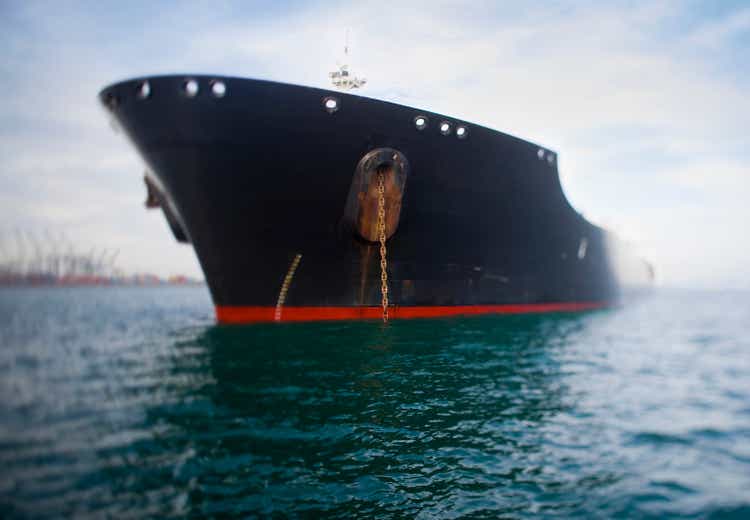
(540,154)
(190,87)
(420,122)
(445,128)
(144,90)
(461,132)
(331,104)
(218,88)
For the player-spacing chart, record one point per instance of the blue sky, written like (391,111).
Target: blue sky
(647,105)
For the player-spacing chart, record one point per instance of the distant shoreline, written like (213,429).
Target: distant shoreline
(102,284)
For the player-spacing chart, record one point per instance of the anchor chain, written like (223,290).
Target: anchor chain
(383,251)
(285,287)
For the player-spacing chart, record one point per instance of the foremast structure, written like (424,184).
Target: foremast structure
(343,78)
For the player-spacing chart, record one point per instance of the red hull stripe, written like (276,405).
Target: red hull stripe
(242,314)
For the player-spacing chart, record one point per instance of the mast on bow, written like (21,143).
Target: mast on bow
(343,78)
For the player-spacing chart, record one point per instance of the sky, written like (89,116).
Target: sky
(646,103)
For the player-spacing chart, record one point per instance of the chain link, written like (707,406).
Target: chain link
(285,287)
(383,251)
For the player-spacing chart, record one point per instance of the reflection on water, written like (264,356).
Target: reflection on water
(122,401)
(359,417)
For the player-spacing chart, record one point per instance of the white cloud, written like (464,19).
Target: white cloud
(716,35)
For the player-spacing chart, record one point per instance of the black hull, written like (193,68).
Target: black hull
(262,174)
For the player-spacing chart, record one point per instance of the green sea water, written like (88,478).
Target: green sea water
(130,402)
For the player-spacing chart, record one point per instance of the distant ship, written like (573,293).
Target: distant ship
(307,204)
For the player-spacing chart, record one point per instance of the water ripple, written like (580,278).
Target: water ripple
(131,403)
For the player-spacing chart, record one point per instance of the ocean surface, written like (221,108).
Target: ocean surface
(130,402)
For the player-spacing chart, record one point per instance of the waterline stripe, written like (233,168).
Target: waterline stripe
(255,314)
